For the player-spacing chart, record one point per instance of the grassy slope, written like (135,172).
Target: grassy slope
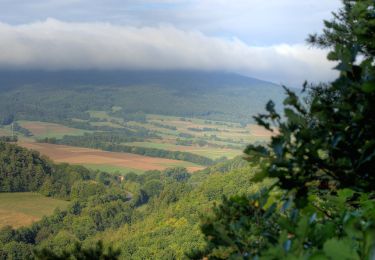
(22,208)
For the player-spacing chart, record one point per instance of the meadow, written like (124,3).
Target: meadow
(23,208)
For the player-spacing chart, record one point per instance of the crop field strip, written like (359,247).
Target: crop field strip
(86,156)
(23,208)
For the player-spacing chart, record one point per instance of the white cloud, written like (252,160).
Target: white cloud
(54,44)
(254,21)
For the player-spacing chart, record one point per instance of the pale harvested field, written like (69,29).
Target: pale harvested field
(23,208)
(4,132)
(77,155)
(259,131)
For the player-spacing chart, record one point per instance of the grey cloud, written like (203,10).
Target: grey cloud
(254,21)
(55,45)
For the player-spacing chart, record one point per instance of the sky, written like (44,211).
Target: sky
(262,39)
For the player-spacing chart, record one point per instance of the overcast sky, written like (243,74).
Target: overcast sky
(263,39)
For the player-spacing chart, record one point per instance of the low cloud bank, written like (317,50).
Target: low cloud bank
(55,45)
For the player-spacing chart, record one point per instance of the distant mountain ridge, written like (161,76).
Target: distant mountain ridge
(46,95)
(173,78)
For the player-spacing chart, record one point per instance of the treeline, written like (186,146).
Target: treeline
(190,142)
(130,116)
(94,140)
(22,170)
(128,130)
(169,127)
(9,139)
(204,129)
(112,143)
(22,130)
(161,153)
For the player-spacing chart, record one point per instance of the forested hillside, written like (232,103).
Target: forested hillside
(153,214)
(60,96)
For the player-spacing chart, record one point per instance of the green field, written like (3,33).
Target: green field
(23,208)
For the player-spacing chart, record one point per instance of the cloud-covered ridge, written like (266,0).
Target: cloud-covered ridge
(55,45)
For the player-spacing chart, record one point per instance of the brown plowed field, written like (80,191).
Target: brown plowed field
(77,155)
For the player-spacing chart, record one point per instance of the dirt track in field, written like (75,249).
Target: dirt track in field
(77,155)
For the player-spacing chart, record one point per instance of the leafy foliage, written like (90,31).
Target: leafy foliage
(234,236)
(322,157)
(23,170)
(79,253)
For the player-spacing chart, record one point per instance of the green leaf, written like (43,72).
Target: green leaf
(368,87)
(332,56)
(340,250)
(270,107)
(259,176)
(343,66)
(345,194)
(318,256)
(293,116)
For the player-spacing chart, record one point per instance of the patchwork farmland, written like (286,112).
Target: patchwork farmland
(215,140)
